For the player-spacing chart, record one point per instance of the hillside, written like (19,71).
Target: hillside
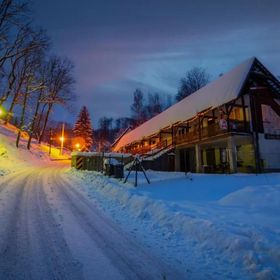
(13,159)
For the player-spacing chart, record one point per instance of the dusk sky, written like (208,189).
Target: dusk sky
(119,45)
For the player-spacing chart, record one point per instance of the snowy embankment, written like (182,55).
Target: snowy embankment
(215,226)
(14,159)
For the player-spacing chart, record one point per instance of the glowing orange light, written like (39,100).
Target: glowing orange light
(61,139)
(2,111)
(77,143)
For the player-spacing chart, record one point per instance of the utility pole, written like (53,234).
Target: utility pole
(62,139)
(50,144)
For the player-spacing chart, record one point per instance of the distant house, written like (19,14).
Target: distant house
(230,125)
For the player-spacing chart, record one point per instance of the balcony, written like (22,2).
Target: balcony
(210,131)
(191,137)
(142,150)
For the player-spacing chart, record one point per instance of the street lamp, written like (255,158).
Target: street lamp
(78,146)
(62,139)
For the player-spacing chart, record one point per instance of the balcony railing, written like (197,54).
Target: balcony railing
(193,136)
(210,131)
(141,150)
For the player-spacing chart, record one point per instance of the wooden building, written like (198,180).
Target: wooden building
(230,125)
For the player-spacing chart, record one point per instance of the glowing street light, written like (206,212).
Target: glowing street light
(62,139)
(2,112)
(78,143)
(78,146)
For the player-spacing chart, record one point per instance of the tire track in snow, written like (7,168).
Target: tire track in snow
(7,179)
(14,232)
(126,255)
(34,246)
(57,255)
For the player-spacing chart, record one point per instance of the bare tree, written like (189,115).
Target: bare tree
(30,84)
(31,41)
(59,83)
(123,123)
(138,108)
(14,17)
(168,101)
(11,13)
(195,79)
(154,106)
(36,118)
(27,76)
(104,133)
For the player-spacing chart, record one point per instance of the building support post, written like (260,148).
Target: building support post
(256,129)
(177,159)
(198,158)
(232,155)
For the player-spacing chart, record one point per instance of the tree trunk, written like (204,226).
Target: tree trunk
(22,116)
(34,120)
(45,123)
(37,128)
(10,111)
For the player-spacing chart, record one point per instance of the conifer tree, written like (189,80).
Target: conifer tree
(83,128)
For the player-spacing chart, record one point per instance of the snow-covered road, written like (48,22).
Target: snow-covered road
(49,230)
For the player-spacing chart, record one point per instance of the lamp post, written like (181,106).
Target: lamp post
(50,143)
(62,139)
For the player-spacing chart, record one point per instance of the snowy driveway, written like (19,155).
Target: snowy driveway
(49,230)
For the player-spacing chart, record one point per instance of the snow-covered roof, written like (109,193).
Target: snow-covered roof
(121,135)
(216,93)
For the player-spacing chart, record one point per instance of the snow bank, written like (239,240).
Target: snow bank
(221,236)
(261,197)
(13,159)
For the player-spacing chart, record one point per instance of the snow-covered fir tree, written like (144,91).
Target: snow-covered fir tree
(83,128)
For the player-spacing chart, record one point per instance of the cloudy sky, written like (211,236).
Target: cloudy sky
(119,45)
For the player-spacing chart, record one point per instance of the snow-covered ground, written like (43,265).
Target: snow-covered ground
(208,226)
(50,230)
(197,226)
(14,159)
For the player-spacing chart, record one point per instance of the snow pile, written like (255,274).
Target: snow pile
(265,198)
(111,161)
(231,236)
